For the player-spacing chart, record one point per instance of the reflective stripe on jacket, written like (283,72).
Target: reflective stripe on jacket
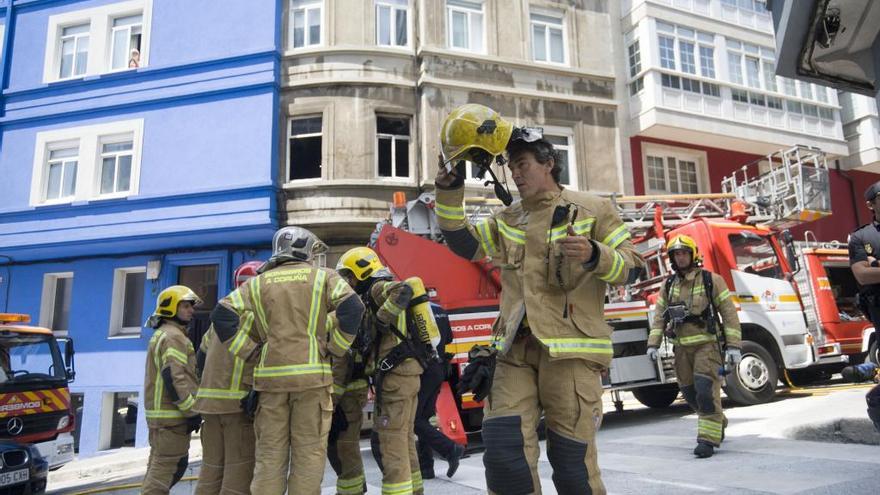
(283,325)
(564,300)
(226,379)
(170,349)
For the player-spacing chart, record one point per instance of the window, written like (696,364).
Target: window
(811,110)
(55,304)
(305,23)
(670,81)
(392,155)
(756,62)
(822,94)
(806,90)
(84,163)
(690,85)
(563,144)
(636,86)
(752,72)
(464,21)
(774,103)
(61,173)
(392,27)
(305,148)
(667,52)
(126,35)
(74,51)
(707,61)
(88,42)
(793,106)
(686,50)
(788,86)
(710,89)
(635,59)
(734,65)
(757,99)
(754,254)
(826,113)
(769,75)
(695,49)
(672,175)
(127,309)
(548,38)
(118,420)
(116,166)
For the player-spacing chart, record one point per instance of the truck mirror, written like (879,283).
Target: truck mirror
(69,366)
(788,241)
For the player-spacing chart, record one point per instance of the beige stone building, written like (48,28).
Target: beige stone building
(367,83)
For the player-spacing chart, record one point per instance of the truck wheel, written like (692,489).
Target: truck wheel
(754,380)
(656,396)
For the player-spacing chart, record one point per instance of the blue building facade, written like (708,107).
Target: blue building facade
(139,143)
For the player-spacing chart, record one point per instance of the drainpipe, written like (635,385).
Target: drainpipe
(852,192)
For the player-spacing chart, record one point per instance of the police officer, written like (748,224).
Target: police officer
(278,319)
(864,246)
(227,432)
(558,250)
(686,313)
(397,361)
(429,437)
(170,388)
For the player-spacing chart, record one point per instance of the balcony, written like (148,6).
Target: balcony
(687,108)
(748,14)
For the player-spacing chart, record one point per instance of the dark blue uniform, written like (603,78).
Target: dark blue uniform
(864,242)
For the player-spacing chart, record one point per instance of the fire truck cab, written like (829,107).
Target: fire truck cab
(34,394)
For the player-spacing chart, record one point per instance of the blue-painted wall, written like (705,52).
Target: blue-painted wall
(208,174)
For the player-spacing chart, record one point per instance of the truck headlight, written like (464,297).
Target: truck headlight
(63,423)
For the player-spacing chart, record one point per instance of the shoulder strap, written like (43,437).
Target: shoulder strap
(668,286)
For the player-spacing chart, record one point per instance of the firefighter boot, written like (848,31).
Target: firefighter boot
(704,450)
(169,457)
(453,460)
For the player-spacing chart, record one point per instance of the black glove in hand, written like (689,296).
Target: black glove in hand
(477,376)
(194,423)
(339,422)
(249,403)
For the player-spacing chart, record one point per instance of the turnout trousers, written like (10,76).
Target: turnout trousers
(291,431)
(393,440)
(569,392)
(429,437)
(169,457)
(697,370)
(345,454)
(228,445)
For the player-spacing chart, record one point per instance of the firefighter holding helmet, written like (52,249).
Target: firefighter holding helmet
(277,320)
(170,385)
(227,432)
(686,314)
(558,250)
(396,318)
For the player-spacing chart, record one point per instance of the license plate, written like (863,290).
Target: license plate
(14,477)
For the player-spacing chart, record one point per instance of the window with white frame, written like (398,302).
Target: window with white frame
(86,163)
(752,65)
(686,50)
(116,155)
(73,51)
(111,37)
(756,6)
(56,302)
(305,144)
(127,34)
(634,58)
(61,171)
(564,145)
(392,147)
(305,23)
(671,174)
(548,38)
(392,22)
(126,312)
(464,25)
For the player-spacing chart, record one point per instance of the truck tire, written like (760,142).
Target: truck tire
(873,353)
(754,380)
(656,396)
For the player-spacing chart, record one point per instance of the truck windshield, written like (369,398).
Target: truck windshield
(755,254)
(26,359)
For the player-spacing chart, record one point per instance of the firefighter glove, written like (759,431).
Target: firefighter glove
(477,376)
(339,423)
(249,403)
(732,356)
(194,423)
(652,353)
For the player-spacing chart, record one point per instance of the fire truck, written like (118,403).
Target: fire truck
(34,395)
(743,234)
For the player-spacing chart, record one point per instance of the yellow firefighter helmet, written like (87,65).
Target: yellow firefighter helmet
(360,261)
(683,242)
(473,127)
(166,303)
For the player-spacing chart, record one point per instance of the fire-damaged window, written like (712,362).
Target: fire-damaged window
(755,254)
(304,152)
(392,153)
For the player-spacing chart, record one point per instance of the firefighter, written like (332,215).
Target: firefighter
(398,361)
(278,320)
(170,387)
(864,246)
(557,251)
(350,391)
(227,432)
(686,314)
